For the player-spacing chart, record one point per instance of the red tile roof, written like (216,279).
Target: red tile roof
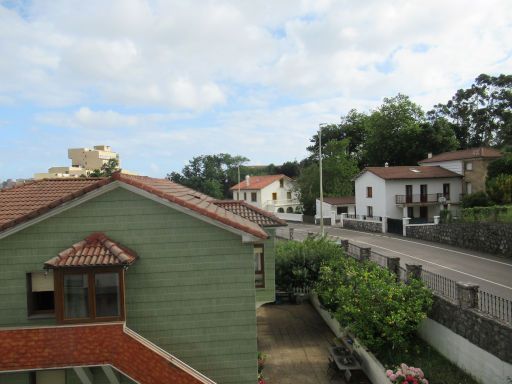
(411,172)
(258,182)
(23,203)
(470,153)
(250,212)
(30,200)
(340,200)
(97,250)
(195,201)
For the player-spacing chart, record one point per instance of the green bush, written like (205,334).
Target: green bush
(445,216)
(381,312)
(477,199)
(298,264)
(501,166)
(499,189)
(495,213)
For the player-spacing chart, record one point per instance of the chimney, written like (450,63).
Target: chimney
(247,180)
(386,164)
(429,155)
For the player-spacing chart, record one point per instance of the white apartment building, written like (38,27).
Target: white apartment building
(272,193)
(83,161)
(334,207)
(416,192)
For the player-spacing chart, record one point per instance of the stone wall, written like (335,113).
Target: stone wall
(495,238)
(363,225)
(489,334)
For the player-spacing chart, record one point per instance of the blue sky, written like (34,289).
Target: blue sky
(163,81)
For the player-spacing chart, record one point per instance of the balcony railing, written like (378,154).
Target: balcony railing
(418,199)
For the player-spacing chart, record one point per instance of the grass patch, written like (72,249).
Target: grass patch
(437,369)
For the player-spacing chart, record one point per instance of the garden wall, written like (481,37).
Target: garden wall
(495,238)
(363,225)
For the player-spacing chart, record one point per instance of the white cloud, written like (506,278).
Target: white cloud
(255,78)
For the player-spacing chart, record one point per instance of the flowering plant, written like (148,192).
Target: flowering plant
(407,375)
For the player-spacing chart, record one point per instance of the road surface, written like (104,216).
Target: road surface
(492,273)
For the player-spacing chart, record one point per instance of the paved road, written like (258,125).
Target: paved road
(493,274)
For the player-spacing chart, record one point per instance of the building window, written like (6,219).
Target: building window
(289,210)
(254,197)
(410,212)
(340,210)
(289,195)
(469,188)
(469,166)
(369,211)
(274,196)
(90,295)
(281,183)
(259,265)
(369,192)
(446,191)
(237,196)
(245,195)
(40,298)
(280,210)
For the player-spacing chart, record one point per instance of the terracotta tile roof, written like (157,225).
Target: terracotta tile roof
(195,201)
(340,200)
(470,153)
(258,182)
(30,200)
(411,172)
(97,250)
(250,212)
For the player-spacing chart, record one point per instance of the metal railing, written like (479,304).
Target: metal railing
(421,198)
(440,284)
(495,306)
(364,217)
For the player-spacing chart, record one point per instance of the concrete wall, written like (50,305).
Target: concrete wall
(191,291)
(378,199)
(495,238)
(479,363)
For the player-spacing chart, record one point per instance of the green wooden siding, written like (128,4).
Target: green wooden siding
(191,291)
(268,294)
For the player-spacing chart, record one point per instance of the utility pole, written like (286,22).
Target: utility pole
(321,179)
(238,182)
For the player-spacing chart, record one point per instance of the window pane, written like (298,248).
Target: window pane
(107,294)
(76,295)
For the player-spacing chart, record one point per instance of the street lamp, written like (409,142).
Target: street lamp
(320,126)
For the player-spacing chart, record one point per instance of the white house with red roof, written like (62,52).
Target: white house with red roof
(272,193)
(389,194)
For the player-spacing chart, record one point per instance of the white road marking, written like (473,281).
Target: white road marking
(436,264)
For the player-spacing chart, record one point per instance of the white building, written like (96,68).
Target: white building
(272,193)
(334,207)
(416,192)
(83,162)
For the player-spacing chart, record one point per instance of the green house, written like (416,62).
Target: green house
(130,279)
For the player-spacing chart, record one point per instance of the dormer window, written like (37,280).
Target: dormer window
(89,280)
(281,183)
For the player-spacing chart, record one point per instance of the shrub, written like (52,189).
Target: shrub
(298,264)
(487,214)
(446,216)
(477,199)
(501,166)
(499,189)
(381,311)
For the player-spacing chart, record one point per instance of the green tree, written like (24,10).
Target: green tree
(501,166)
(499,189)
(107,169)
(482,114)
(338,171)
(212,175)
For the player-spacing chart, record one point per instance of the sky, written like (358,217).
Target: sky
(164,81)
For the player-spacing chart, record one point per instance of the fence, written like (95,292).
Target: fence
(440,284)
(354,250)
(495,306)
(379,259)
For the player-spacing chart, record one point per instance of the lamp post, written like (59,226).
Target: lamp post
(320,126)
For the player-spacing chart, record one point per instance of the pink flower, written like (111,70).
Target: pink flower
(389,372)
(393,377)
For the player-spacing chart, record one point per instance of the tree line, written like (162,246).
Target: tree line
(398,132)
